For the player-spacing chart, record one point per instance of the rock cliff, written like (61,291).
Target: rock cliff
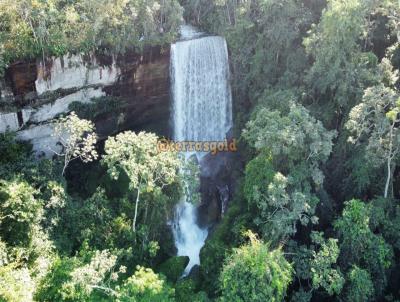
(33,94)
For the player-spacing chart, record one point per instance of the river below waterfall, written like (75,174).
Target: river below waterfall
(202,112)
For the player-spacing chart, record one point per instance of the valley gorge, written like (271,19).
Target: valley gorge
(199,150)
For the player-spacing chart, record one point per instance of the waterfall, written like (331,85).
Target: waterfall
(202,107)
(202,111)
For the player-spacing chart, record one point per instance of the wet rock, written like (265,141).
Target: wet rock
(215,187)
(22,76)
(194,274)
(174,267)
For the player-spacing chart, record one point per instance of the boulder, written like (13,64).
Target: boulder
(174,267)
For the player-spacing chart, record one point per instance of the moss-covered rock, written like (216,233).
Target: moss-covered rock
(195,275)
(184,290)
(173,268)
(187,290)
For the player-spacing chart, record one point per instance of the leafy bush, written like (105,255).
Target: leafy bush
(186,290)
(173,268)
(20,211)
(145,286)
(227,234)
(50,287)
(255,273)
(360,287)
(97,107)
(360,246)
(259,174)
(16,284)
(10,149)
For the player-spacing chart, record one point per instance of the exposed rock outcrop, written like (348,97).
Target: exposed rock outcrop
(216,186)
(74,71)
(9,121)
(145,87)
(34,93)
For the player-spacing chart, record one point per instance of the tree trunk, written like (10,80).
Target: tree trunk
(136,210)
(392,178)
(66,161)
(145,212)
(389,173)
(389,162)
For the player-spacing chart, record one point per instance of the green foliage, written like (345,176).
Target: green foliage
(10,149)
(79,279)
(362,174)
(299,145)
(379,106)
(273,29)
(301,296)
(360,246)
(71,280)
(342,67)
(227,234)
(295,138)
(283,208)
(323,275)
(385,219)
(97,275)
(77,138)
(277,99)
(259,174)
(173,268)
(360,287)
(16,284)
(50,287)
(32,28)
(89,220)
(316,265)
(104,222)
(185,290)
(97,107)
(136,155)
(20,211)
(255,273)
(353,228)
(145,286)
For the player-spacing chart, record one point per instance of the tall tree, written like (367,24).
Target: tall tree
(374,123)
(293,139)
(298,145)
(360,246)
(342,67)
(317,266)
(255,273)
(77,138)
(137,155)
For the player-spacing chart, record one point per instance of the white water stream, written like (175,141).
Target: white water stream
(202,111)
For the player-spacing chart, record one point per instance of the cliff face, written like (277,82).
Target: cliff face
(32,94)
(145,86)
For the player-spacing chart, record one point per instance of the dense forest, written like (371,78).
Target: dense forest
(315,212)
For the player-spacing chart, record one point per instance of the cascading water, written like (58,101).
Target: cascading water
(202,111)
(202,106)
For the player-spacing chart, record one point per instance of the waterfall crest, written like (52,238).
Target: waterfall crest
(202,106)
(202,111)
